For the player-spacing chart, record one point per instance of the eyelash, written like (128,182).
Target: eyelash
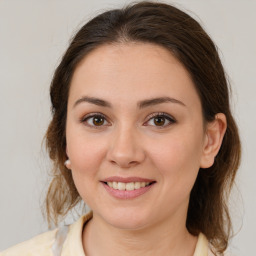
(166,116)
(163,115)
(93,115)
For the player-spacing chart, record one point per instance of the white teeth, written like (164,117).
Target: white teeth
(121,186)
(115,185)
(110,184)
(137,185)
(127,186)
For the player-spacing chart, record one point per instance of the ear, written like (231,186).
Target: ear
(214,134)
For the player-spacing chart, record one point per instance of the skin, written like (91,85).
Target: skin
(129,142)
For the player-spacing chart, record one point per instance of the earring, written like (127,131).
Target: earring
(67,163)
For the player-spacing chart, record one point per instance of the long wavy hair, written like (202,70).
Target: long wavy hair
(171,28)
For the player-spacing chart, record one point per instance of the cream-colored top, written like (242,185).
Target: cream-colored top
(67,241)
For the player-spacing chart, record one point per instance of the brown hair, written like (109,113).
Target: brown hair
(167,26)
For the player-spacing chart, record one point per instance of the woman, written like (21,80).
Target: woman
(142,132)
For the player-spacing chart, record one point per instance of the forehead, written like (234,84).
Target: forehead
(131,71)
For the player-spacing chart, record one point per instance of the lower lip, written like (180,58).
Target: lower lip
(127,194)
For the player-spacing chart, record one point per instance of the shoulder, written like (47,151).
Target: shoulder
(204,248)
(39,245)
(66,239)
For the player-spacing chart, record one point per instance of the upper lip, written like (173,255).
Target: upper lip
(127,179)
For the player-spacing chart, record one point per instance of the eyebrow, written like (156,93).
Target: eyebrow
(141,104)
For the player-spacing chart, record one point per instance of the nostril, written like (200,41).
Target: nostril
(123,163)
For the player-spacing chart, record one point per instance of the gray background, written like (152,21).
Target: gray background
(33,36)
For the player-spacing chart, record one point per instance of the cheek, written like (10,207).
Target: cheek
(177,152)
(177,158)
(86,154)
(82,145)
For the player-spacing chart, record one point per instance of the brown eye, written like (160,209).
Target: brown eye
(159,121)
(95,120)
(98,120)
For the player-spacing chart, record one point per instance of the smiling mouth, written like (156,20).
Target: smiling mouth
(129,186)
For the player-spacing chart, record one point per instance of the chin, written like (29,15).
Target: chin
(127,219)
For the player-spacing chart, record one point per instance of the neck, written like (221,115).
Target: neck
(166,238)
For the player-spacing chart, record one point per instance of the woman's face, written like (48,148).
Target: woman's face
(135,134)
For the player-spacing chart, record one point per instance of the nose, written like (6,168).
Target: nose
(126,149)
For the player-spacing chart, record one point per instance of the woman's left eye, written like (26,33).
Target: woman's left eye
(95,120)
(160,120)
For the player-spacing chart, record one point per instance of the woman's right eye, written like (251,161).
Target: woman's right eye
(95,120)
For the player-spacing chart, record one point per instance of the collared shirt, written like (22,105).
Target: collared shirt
(67,241)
